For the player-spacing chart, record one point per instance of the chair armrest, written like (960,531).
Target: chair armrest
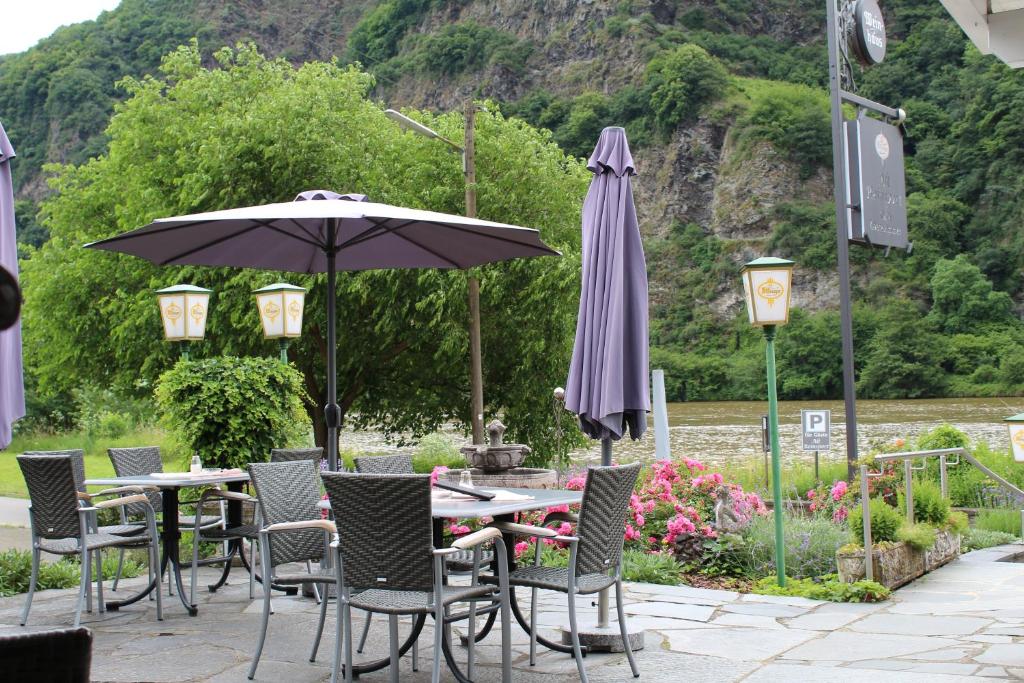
(567,539)
(325,524)
(84,496)
(522,529)
(560,517)
(116,502)
(125,489)
(227,495)
(476,538)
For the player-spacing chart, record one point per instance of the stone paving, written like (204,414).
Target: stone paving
(962,622)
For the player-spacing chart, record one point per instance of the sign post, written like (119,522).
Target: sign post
(816,433)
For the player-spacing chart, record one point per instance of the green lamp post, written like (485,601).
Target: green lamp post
(280,306)
(766,288)
(183,310)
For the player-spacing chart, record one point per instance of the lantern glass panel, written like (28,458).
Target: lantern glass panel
(1017,440)
(768,294)
(294,303)
(172,312)
(197,305)
(272,313)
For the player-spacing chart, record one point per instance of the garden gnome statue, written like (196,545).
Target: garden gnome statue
(726,519)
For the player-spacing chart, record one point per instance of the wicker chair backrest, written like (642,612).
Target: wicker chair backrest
(77,461)
(400,463)
(51,488)
(62,655)
(293,454)
(384,529)
(603,517)
(289,492)
(134,462)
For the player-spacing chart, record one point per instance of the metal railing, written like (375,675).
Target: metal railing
(943,454)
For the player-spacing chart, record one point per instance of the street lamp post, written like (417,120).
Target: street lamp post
(183,310)
(766,288)
(468,152)
(280,306)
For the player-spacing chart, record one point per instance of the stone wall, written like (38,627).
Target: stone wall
(898,564)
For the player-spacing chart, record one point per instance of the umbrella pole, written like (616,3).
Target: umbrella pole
(331,410)
(602,597)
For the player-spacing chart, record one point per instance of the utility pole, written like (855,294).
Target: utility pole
(475,361)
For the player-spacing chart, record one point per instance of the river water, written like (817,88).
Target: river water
(717,432)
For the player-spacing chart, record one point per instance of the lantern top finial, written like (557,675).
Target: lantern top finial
(279,287)
(179,289)
(768,262)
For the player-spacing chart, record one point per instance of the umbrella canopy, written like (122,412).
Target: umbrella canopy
(608,383)
(332,232)
(12,387)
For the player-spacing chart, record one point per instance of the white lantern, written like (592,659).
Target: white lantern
(766,287)
(183,309)
(280,307)
(1016,427)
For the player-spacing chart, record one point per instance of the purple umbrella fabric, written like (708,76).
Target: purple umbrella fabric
(12,387)
(608,385)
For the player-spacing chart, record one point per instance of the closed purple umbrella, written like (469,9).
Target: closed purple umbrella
(608,379)
(12,387)
(335,232)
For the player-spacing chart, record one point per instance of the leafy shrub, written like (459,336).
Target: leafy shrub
(929,504)
(976,539)
(467,45)
(920,536)
(943,436)
(795,119)
(1007,521)
(811,544)
(825,588)
(680,82)
(885,522)
(16,570)
(957,522)
(231,410)
(645,567)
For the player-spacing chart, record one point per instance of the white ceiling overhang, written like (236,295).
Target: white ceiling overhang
(996,27)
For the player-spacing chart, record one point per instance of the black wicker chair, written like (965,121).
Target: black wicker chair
(139,461)
(399,572)
(293,454)
(60,656)
(62,527)
(595,553)
(288,493)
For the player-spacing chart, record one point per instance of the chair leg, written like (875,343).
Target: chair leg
(533,626)
(316,587)
(416,654)
(472,640)
(574,629)
(154,571)
(194,571)
(31,584)
(622,628)
(99,582)
(84,585)
(86,569)
(120,565)
(435,672)
(366,632)
(344,629)
(393,647)
(252,570)
(320,630)
(266,612)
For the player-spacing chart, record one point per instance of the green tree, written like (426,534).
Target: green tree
(962,297)
(254,130)
(904,358)
(810,356)
(680,82)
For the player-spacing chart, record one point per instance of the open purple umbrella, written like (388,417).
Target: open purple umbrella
(12,387)
(337,232)
(608,386)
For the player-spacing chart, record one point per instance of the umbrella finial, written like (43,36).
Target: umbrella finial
(612,153)
(327,194)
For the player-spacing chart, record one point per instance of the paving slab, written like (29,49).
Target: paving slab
(743,644)
(671,610)
(860,646)
(821,621)
(756,621)
(789,673)
(764,609)
(921,625)
(1008,654)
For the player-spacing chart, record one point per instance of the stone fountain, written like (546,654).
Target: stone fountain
(499,464)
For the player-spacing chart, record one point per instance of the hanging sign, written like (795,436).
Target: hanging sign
(876,193)
(868,40)
(816,430)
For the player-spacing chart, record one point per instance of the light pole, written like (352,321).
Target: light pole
(183,310)
(280,306)
(468,152)
(766,288)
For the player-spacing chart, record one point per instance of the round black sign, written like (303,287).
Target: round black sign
(869,32)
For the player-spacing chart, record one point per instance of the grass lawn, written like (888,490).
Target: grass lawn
(97,464)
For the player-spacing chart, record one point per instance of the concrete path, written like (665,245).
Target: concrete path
(14,524)
(963,622)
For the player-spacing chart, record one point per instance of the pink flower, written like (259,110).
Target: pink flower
(814,506)
(840,514)
(811,494)
(576,483)
(639,520)
(838,490)
(438,469)
(694,465)
(459,529)
(565,529)
(708,532)
(521,548)
(558,508)
(631,533)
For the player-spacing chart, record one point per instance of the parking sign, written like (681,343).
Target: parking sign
(816,426)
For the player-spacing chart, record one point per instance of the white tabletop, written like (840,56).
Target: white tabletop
(471,509)
(165,482)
